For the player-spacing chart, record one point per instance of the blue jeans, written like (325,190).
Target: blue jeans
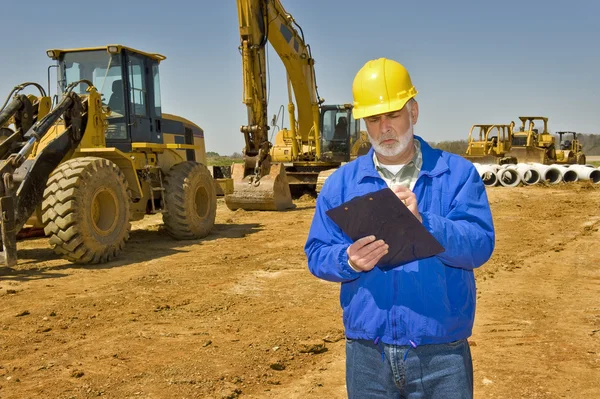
(390,371)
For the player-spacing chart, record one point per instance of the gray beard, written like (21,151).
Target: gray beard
(397,147)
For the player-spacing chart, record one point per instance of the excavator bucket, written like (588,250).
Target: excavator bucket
(270,193)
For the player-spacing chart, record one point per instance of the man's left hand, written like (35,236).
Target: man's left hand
(409,199)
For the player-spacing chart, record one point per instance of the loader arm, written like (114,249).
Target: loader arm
(25,168)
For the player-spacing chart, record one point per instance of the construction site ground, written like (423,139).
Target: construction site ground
(239,315)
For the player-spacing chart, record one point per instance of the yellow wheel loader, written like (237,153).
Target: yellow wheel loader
(103,156)
(320,138)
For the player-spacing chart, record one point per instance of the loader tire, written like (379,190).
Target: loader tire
(191,201)
(86,210)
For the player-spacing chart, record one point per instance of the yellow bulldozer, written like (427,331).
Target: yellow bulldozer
(100,156)
(529,144)
(320,138)
(488,144)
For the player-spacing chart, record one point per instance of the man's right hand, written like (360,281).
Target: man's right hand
(364,253)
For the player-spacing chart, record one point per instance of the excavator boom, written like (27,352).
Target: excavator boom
(258,184)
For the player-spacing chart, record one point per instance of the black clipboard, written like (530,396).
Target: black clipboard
(383,215)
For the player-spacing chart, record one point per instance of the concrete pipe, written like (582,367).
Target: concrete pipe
(549,174)
(568,175)
(487,174)
(586,173)
(527,173)
(508,177)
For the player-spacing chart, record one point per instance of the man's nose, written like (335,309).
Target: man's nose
(385,124)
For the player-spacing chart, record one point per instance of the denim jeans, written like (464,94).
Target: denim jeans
(390,371)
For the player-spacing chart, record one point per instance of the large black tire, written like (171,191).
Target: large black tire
(581,159)
(86,210)
(191,201)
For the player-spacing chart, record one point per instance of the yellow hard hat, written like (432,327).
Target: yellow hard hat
(381,86)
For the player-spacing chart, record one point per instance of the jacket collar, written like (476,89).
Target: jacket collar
(434,163)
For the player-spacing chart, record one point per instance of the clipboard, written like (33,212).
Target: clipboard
(383,215)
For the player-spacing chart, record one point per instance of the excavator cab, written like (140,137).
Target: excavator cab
(339,131)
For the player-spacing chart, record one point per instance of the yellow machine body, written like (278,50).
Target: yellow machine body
(320,137)
(488,144)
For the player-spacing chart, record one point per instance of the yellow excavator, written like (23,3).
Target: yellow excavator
(488,144)
(103,155)
(319,139)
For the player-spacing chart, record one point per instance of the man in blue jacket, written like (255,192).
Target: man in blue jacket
(406,326)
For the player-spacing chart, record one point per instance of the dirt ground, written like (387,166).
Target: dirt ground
(239,315)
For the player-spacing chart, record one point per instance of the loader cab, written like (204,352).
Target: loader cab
(339,131)
(129,82)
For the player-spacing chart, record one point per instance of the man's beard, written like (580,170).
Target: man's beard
(395,148)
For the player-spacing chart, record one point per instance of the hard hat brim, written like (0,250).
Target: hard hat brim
(359,112)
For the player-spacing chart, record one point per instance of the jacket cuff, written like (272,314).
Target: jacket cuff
(346,269)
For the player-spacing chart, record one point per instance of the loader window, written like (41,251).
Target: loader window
(137,90)
(104,71)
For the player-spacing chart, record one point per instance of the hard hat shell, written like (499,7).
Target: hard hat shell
(381,86)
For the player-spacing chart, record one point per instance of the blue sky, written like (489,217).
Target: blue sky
(472,61)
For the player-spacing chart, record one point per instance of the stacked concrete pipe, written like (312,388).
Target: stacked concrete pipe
(548,173)
(508,177)
(487,174)
(527,173)
(586,173)
(568,175)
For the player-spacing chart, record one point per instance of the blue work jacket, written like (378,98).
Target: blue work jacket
(427,301)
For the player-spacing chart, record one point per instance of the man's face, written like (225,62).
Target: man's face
(391,133)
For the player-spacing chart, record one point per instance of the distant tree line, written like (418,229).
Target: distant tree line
(590,143)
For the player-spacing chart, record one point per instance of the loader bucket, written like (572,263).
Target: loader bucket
(272,193)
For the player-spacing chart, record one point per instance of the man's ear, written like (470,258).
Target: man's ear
(414,111)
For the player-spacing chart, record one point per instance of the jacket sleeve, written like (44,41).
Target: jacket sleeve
(467,231)
(326,246)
